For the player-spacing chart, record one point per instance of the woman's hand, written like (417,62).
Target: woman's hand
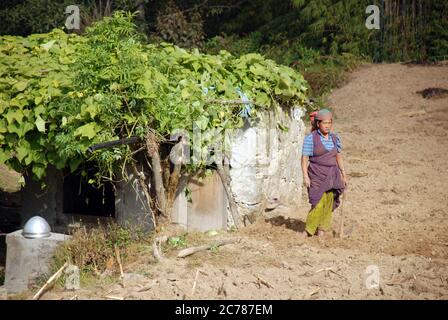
(344,179)
(307,181)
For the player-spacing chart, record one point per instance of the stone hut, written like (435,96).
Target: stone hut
(265,167)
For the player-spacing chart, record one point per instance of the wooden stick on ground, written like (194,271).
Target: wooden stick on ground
(50,281)
(330,269)
(195,281)
(189,251)
(262,281)
(148,287)
(325,269)
(341,226)
(117,254)
(312,293)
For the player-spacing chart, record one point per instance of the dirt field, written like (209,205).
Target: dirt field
(396,213)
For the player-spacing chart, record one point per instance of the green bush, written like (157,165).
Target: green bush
(62,93)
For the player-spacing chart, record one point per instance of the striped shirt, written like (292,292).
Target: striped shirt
(308,147)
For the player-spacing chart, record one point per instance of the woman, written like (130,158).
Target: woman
(323,173)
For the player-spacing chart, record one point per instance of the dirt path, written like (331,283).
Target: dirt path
(395,146)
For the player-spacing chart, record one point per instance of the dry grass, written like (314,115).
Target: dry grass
(92,250)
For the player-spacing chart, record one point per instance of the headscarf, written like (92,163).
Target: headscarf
(324,114)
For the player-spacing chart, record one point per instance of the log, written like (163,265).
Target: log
(156,249)
(189,251)
(50,281)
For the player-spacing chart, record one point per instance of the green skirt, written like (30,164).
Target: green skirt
(320,216)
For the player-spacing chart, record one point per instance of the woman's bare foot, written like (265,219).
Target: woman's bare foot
(305,234)
(320,233)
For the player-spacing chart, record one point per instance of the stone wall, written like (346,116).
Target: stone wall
(265,162)
(265,165)
(131,205)
(131,208)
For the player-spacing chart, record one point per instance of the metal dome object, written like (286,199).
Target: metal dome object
(36,227)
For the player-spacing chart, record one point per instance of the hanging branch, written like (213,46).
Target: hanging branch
(176,154)
(224,174)
(145,188)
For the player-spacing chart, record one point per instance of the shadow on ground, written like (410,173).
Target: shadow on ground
(289,223)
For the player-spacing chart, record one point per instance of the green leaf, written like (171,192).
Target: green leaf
(47,46)
(38,171)
(38,100)
(88,130)
(16,102)
(262,99)
(40,124)
(23,150)
(14,115)
(3,128)
(5,155)
(185,93)
(259,70)
(39,110)
(202,122)
(21,85)
(20,129)
(92,109)
(285,83)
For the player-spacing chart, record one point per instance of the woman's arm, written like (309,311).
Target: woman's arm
(341,167)
(306,177)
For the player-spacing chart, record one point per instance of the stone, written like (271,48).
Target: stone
(72,278)
(28,259)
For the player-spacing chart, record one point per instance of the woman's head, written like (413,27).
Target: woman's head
(324,121)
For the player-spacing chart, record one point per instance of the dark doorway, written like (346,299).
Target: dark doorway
(82,198)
